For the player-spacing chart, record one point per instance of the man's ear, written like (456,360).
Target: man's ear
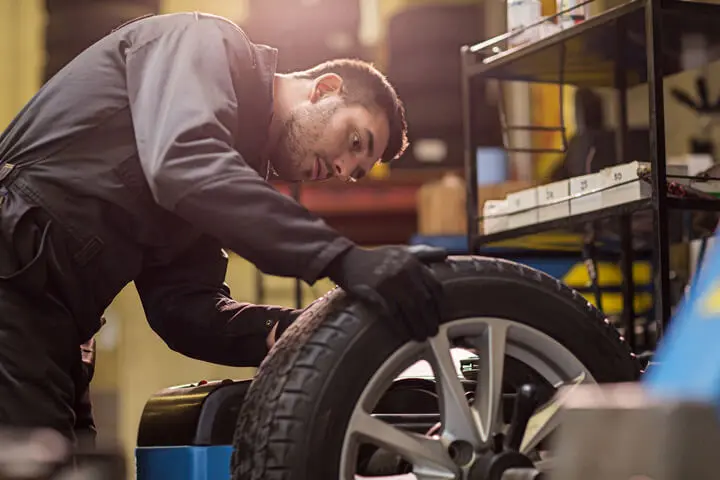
(324,85)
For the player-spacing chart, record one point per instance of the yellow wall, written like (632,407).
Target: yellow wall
(548,111)
(22,24)
(233,9)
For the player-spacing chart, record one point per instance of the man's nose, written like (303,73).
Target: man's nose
(342,168)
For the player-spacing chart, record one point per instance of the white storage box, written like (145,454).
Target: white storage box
(553,201)
(495,216)
(695,165)
(621,183)
(522,208)
(582,198)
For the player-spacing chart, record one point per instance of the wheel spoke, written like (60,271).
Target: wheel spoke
(429,458)
(491,365)
(546,418)
(404,476)
(459,422)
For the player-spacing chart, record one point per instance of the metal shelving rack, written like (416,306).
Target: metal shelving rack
(628,45)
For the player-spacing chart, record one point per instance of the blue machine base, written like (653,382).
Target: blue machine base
(688,356)
(183,463)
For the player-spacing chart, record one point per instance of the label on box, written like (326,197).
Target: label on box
(495,208)
(494,216)
(522,200)
(583,185)
(626,172)
(585,193)
(553,192)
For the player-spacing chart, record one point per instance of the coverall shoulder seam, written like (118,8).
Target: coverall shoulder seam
(196,20)
(135,48)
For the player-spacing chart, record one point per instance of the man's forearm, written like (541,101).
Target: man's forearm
(226,333)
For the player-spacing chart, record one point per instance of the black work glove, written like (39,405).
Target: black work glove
(285,321)
(395,282)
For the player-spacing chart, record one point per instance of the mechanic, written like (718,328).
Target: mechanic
(143,158)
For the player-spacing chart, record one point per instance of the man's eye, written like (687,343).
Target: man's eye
(355,142)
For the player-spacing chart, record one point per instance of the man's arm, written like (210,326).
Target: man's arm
(184,106)
(188,305)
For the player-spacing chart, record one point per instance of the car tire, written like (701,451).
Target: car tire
(295,415)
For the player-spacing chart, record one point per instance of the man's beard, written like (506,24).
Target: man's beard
(301,131)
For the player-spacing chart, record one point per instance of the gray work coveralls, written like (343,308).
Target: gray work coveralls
(138,162)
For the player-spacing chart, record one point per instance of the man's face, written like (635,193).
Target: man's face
(324,138)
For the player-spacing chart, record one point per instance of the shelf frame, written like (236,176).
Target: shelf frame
(475,65)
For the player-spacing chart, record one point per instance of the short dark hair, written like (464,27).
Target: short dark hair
(364,84)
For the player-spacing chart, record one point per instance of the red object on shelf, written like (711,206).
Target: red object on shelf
(356,199)
(371,212)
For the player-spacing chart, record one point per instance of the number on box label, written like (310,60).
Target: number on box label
(549,195)
(617,176)
(583,184)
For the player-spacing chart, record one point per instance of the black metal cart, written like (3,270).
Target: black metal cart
(634,43)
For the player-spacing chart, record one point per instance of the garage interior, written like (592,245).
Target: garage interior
(510,121)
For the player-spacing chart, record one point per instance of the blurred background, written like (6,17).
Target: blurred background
(416,43)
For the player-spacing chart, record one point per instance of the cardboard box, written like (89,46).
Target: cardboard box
(585,194)
(554,201)
(441,204)
(522,208)
(441,207)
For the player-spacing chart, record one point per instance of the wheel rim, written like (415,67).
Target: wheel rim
(469,425)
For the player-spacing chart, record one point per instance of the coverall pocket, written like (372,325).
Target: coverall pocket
(67,216)
(33,274)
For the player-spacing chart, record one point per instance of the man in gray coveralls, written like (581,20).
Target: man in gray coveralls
(145,156)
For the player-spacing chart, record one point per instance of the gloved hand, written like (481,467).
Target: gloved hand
(397,283)
(285,321)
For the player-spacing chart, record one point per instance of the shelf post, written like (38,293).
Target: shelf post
(259,287)
(296,191)
(654,46)
(469,148)
(626,245)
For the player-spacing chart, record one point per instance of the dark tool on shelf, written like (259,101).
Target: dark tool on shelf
(706,111)
(674,188)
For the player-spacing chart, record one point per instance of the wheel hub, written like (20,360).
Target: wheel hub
(492,467)
(506,452)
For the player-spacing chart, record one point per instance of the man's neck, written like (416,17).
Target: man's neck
(281,105)
(288,91)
